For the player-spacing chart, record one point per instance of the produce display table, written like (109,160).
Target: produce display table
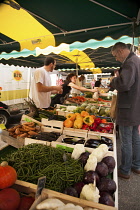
(57,126)
(73,199)
(26,187)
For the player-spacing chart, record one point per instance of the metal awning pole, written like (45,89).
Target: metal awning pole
(77,69)
(110,9)
(133,36)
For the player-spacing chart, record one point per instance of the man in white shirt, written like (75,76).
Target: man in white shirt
(41,88)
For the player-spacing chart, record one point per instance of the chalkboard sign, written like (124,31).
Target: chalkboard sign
(40,185)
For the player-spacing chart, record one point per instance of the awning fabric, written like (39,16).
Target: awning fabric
(94,54)
(23,28)
(28,24)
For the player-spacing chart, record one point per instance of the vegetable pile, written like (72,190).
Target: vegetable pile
(96,186)
(77,99)
(10,199)
(86,121)
(25,130)
(46,136)
(50,115)
(36,160)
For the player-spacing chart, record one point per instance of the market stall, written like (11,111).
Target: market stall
(50,135)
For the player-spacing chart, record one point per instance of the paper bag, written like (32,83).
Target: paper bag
(113,107)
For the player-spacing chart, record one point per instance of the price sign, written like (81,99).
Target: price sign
(40,185)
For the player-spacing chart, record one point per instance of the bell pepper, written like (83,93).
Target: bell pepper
(78,123)
(77,115)
(111,125)
(68,123)
(84,113)
(104,130)
(97,120)
(88,120)
(103,121)
(93,127)
(93,116)
(71,116)
(85,127)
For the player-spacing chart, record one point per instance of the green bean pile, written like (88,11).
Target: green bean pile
(36,160)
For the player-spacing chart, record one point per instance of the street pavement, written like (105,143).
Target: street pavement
(128,190)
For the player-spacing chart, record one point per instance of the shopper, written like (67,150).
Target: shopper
(98,83)
(41,88)
(69,83)
(80,81)
(127,83)
(92,83)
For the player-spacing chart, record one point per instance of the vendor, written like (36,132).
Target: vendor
(69,83)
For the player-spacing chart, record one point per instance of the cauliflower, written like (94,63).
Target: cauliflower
(100,152)
(71,108)
(70,206)
(90,192)
(104,148)
(78,150)
(50,203)
(91,163)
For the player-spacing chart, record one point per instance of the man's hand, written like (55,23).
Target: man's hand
(95,90)
(59,89)
(116,73)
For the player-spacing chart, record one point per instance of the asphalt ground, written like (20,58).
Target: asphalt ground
(128,190)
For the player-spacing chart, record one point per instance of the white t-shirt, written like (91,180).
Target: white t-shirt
(41,99)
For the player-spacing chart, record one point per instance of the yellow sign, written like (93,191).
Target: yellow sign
(17,75)
(2,127)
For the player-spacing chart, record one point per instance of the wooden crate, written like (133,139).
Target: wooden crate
(15,142)
(66,133)
(67,147)
(97,135)
(63,113)
(26,118)
(94,135)
(46,126)
(2,144)
(110,135)
(75,132)
(26,187)
(34,141)
(52,125)
(113,137)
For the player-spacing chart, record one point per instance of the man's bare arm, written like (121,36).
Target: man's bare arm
(43,88)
